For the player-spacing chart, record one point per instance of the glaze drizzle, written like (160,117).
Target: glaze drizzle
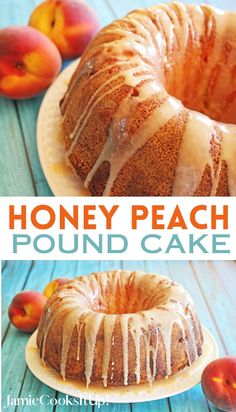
(136,303)
(160,41)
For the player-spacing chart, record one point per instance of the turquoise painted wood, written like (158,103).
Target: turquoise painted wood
(21,173)
(212,285)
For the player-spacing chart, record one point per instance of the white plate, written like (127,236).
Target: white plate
(174,385)
(59,176)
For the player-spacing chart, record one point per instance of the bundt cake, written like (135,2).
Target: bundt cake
(151,108)
(119,328)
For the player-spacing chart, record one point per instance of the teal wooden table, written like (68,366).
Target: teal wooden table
(212,285)
(21,173)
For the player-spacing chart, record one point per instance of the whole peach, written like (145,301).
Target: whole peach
(70,24)
(53,285)
(29,62)
(219,383)
(25,310)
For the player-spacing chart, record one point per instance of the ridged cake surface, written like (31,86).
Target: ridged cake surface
(151,108)
(119,328)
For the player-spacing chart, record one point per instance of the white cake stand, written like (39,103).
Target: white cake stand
(174,385)
(51,151)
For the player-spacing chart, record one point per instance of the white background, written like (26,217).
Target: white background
(121,225)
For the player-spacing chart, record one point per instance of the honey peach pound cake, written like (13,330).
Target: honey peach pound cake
(118,328)
(151,108)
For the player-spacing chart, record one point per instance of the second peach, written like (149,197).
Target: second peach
(70,24)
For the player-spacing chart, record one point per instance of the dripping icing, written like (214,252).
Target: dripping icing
(173,24)
(168,308)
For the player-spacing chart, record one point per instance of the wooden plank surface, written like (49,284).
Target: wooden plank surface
(210,283)
(22,173)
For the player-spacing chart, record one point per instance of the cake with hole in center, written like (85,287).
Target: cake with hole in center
(119,328)
(151,107)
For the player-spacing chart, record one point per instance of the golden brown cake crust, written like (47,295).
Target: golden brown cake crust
(120,118)
(155,332)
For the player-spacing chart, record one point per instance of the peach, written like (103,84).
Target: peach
(25,310)
(70,24)
(29,62)
(53,285)
(219,383)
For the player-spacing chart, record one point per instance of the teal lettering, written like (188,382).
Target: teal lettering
(110,247)
(20,240)
(197,242)
(88,241)
(175,243)
(73,249)
(216,243)
(44,238)
(145,247)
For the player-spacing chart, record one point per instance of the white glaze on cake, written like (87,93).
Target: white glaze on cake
(159,39)
(88,304)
